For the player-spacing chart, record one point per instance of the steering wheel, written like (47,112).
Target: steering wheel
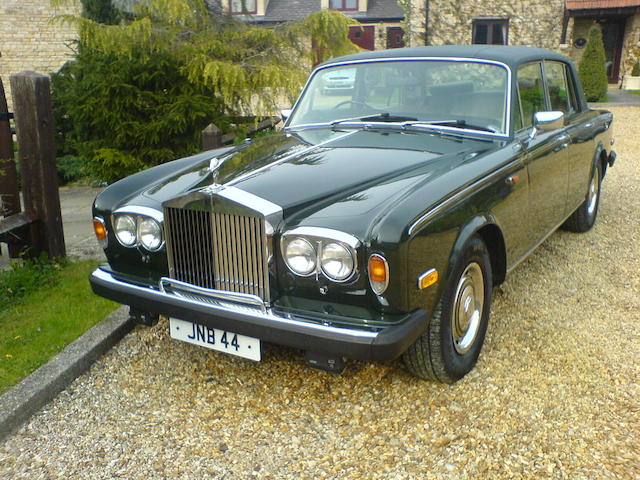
(352,102)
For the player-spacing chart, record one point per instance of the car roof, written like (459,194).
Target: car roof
(510,55)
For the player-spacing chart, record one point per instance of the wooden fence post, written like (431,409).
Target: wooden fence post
(31,94)
(9,193)
(211,137)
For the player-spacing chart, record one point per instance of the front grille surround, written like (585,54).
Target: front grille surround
(217,243)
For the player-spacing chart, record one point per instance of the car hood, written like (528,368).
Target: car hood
(323,177)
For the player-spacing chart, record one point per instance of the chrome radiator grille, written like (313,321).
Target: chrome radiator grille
(218,250)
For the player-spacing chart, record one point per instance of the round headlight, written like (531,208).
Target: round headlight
(125,226)
(150,233)
(300,256)
(337,261)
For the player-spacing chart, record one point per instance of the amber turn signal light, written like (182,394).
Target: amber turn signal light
(378,273)
(427,279)
(99,228)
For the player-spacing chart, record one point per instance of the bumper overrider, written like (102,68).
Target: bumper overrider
(240,314)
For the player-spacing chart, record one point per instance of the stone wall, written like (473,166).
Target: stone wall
(630,45)
(535,23)
(30,40)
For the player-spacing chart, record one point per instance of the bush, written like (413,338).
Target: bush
(125,113)
(635,71)
(70,168)
(592,70)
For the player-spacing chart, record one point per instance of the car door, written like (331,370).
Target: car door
(545,156)
(579,127)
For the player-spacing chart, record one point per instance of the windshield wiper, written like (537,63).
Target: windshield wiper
(378,117)
(455,123)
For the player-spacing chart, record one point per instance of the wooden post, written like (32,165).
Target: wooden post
(211,137)
(9,192)
(34,127)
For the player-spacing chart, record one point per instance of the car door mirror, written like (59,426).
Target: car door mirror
(285,113)
(547,121)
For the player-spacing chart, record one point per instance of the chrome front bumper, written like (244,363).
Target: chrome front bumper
(217,310)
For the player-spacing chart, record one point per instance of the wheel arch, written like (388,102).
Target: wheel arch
(488,230)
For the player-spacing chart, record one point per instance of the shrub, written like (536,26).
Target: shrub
(140,91)
(70,168)
(129,113)
(592,70)
(635,71)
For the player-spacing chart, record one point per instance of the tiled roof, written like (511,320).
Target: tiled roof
(599,4)
(285,10)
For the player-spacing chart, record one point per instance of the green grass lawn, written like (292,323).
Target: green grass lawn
(635,92)
(40,324)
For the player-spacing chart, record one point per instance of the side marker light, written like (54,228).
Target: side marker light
(428,278)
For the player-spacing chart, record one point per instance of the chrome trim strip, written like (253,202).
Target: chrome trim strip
(507,112)
(284,159)
(325,233)
(259,204)
(402,127)
(467,190)
(268,316)
(157,215)
(166,284)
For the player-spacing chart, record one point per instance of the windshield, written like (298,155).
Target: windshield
(465,94)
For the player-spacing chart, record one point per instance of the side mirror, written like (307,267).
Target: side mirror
(547,121)
(285,113)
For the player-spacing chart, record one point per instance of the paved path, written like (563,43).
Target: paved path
(75,204)
(618,98)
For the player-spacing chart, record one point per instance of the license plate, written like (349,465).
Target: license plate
(219,340)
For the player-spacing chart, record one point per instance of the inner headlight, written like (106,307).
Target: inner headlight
(337,261)
(300,256)
(149,233)
(125,226)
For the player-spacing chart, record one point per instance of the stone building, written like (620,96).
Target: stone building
(31,40)
(560,25)
(380,19)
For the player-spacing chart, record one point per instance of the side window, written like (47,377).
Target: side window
(531,91)
(560,93)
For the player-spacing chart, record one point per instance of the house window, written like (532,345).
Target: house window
(343,4)
(243,6)
(490,32)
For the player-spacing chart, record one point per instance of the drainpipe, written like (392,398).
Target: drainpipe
(426,22)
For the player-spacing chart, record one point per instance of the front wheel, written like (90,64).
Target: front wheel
(584,217)
(450,346)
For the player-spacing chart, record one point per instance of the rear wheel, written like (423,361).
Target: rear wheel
(450,346)
(584,217)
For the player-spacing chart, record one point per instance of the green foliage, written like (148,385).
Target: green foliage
(635,71)
(70,168)
(126,113)
(46,318)
(26,277)
(101,11)
(139,92)
(591,69)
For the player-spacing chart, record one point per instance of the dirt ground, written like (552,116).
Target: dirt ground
(555,394)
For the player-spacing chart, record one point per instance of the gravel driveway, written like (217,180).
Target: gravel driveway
(555,394)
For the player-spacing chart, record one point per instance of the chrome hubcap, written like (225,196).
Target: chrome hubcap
(592,195)
(467,308)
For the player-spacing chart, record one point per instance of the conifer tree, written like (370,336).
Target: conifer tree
(140,91)
(591,69)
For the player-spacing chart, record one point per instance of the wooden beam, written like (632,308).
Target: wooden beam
(34,128)
(9,193)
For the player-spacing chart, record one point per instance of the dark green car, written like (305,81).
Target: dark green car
(377,223)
